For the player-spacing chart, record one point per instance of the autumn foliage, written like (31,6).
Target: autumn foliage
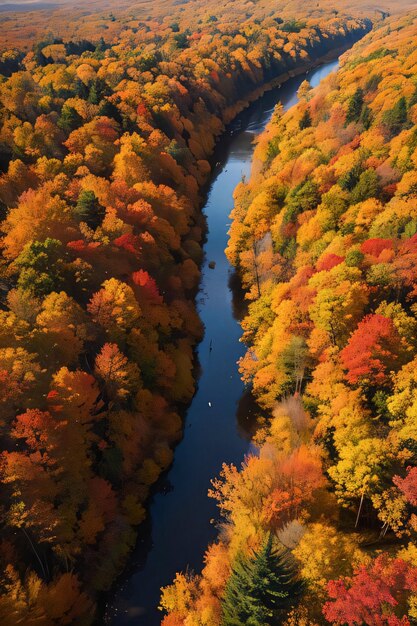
(106,130)
(372,351)
(373,595)
(323,235)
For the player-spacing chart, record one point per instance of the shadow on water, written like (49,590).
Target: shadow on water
(238,301)
(222,415)
(248,413)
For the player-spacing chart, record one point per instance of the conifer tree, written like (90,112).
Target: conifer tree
(395,119)
(261,588)
(88,209)
(355,106)
(69,119)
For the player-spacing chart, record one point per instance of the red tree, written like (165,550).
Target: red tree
(408,485)
(148,284)
(374,247)
(372,350)
(374,595)
(404,265)
(328,261)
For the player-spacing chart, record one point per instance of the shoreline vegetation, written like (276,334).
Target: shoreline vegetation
(104,149)
(319,526)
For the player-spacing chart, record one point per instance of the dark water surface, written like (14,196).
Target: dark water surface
(180,515)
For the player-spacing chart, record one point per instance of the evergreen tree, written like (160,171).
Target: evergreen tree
(101,46)
(349,180)
(366,117)
(69,119)
(261,588)
(181,40)
(97,91)
(305,121)
(396,118)
(355,106)
(88,209)
(368,186)
(413,99)
(80,89)
(94,95)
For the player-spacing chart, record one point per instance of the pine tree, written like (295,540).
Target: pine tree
(261,588)
(97,91)
(395,119)
(70,119)
(80,89)
(94,94)
(366,117)
(355,106)
(88,209)
(101,46)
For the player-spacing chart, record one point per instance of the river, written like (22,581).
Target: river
(220,416)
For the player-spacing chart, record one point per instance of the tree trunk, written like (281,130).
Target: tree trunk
(360,509)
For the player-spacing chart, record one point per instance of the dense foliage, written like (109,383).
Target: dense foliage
(103,150)
(324,235)
(129,19)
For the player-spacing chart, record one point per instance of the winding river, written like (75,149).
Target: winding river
(219,420)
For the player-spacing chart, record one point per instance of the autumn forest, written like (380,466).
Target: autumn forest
(111,117)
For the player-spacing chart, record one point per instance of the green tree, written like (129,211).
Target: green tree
(69,119)
(396,118)
(348,180)
(355,106)
(304,197)
(97,91)
(94,95)
(366,117)
(354,258)
(367,187)
(181,40)
(41,267)
(261,588)
(293,26)
(88,209)
(80,89)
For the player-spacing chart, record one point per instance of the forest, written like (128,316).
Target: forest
(318,526)
(104,148)
(109,117)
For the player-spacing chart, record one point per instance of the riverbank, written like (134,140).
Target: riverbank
(117,209)
(325,242)
(215,423)
(163,486)
(231,112)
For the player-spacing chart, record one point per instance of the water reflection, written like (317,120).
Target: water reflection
(247,415)
(238,301)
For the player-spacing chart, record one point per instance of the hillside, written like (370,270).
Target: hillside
(134,20)
(319,525)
